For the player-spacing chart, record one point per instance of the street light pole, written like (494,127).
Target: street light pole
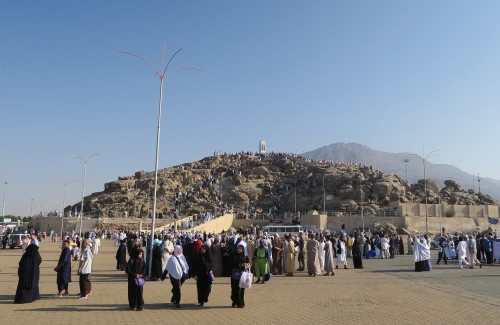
(31,213)
(425,188)
(324,196)
(162,74)
(63,205)
(4,196)
(362,216)
(479,183)
(295,189)
(406,161)
(85,161)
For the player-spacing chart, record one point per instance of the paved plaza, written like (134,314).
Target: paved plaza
(386,291)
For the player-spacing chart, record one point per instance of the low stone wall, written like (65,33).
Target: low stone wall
(49,224)
(316,222)
(356,222)
(443,209)
(91,224)
(451,224)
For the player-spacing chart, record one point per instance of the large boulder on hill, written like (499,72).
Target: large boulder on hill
(381,189)
(452,185)
(119,186)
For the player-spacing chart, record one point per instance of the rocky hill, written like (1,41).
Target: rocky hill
(275,183)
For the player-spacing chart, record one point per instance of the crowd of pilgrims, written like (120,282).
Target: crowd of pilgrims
(178,256)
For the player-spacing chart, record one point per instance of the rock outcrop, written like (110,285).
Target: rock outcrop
(274,183)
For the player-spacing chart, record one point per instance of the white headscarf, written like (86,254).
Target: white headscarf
(421,251)
(173,267)
(242,243)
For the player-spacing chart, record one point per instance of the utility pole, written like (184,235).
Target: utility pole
(479,182)
(4,196)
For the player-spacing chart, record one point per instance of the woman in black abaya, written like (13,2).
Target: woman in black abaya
(240,263)
(121,256)
(29,275)
(136,268)
(201,269)
(156,270)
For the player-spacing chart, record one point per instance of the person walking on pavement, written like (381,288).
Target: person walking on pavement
(63,270)
(85,269)
(178,270)
(472,247)
(442,250)
(301,257)
(462,252)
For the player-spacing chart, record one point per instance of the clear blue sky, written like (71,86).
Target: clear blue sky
(392,75)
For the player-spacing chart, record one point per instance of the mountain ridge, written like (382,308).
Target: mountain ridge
(394,163)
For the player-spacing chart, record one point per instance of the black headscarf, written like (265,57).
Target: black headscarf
(136,266)
(239,259)
(29,267)
(203,262)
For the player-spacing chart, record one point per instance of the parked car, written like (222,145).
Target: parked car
(436,240)
(15,240)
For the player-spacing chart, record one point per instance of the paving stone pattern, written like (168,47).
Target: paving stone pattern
(386,291)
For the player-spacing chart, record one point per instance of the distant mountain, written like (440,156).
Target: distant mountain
(408,166)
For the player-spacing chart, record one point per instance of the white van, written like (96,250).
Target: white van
(282,230)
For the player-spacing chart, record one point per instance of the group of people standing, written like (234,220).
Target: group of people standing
(29,272)
(176,260)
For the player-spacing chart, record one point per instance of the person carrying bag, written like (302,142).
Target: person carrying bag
(240,264)
(178,269)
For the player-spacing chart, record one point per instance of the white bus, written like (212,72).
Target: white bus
(282,230)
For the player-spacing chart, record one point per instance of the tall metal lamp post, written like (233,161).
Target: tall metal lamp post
(479,183)
(324,196)
(63,205)
(362,207)
(4,196)
(162,73)
(424,158)
(85,161)
(295,188)
(406,161)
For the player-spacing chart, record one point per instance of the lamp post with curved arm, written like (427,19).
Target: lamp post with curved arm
(63,203)
(295,204)
(4,196)
(85,161)
(424,158)
(162,73)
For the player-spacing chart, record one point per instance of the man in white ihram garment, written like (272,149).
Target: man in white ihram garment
(341,253)
(472,249)
(321,254)
(462,252)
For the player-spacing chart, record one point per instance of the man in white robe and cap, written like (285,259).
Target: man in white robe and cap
(341,253)
(462,252)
